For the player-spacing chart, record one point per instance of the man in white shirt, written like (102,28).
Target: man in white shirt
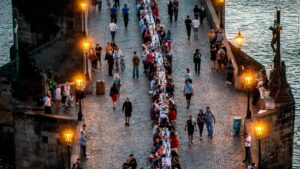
(112,28)
(195,24)
(247,148)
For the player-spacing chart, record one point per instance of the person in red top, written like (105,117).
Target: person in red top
(174,141)
(149,57)
(172,114)
(155,11)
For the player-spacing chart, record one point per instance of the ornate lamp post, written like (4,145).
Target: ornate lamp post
(86,44)
(79,85)
(83,7)
(259,132)
(221,4)
(239,38)
(68,136)
(248,79)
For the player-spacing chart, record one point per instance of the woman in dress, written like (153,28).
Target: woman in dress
(114,94)
(191,127)
(117,81)
(200,122)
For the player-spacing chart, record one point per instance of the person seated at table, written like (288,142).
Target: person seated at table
(156,145)
(160,151)
(168,67)
(170,87)
(174,140)
(172,114)
(154,114)
(164,120)
(156,94)
(158,134)
(147,36)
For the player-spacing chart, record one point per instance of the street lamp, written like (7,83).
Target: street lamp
(259,132)
(68,136)
(248,79)
(239,38)
(221,4)
(83,7)
(79,95)
(86,44)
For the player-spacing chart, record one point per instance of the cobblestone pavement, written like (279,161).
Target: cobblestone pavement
(110,142)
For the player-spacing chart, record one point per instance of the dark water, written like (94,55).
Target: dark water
(6,32)
(253,18)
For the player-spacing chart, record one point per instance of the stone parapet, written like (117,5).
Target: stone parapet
(38,142)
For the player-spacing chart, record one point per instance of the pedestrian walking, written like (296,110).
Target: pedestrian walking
(188,25)
(132,162)
(209,119)
(93,58)
(110,61)
(211,37)
(117,54)
(47,104)
(135,64)
(125,13)
(99,4)
(117,81)
(108,48)
(188,92)
(197,61)
(200,122)
(114,94)
(113,14)
(117,3)
(170,10)
(98,50)
(230,71)
(176,9)
(213,57)
(188,75)
(248,140)
(113,28)
(127,108)
(57,98)
(202,14)
(191,127)
(83,144)
(195,24)
(77,164)
(196,11)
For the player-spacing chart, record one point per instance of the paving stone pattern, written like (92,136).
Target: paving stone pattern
(110,142)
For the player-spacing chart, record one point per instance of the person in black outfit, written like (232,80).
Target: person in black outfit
(170,10)
(176,9)
(117,3)
(110,61)
(196,11)
(127,107)
(191,127)
(197,61)
(132,161)
(188,25)
(202,14)
(98,50)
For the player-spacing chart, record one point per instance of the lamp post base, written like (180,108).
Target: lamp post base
(80,111)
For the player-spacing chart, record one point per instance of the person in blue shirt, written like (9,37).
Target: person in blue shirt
(125,13)
(188,91)
(113,14)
